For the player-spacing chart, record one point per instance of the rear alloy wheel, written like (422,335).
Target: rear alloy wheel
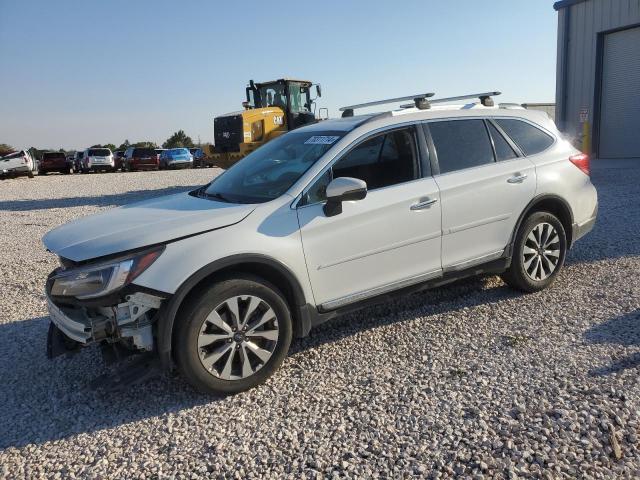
(235,336)
(539,252)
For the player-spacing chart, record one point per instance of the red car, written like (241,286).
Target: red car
(54,162)
(140,158)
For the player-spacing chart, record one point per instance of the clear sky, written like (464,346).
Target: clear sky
(77,73)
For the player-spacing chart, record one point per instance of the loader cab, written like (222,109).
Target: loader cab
(292,96)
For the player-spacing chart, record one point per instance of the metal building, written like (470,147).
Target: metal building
(598,74)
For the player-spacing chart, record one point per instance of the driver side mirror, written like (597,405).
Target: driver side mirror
(318,91)
(343,189)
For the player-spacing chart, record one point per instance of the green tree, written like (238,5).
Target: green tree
(5,149)
(145,145)
(124,145)
(178,139)
(110,146)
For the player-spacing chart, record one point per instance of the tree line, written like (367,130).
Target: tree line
(177,140)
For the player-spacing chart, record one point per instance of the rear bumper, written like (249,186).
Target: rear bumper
(179,164)
(54,167)
(21,170)
(581,229)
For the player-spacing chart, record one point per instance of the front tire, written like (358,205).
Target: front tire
(234,335)
(538,254)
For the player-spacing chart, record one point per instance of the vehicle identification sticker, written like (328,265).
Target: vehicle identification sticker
(321,140)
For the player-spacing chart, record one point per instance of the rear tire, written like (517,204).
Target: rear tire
(538,253)
(220,352)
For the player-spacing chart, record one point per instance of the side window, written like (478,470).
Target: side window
(381,161)
(461,144)
(530,139)
(502,147)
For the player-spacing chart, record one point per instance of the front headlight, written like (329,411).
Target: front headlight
(103,278)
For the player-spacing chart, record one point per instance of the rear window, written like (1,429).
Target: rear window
(99,152)
(178,151)
(52,155)
(13,155)
(461,144)
(530,139)
(143,152)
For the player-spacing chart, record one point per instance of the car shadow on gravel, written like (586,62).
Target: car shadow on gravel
(114,200)
(45,400)
(623,331)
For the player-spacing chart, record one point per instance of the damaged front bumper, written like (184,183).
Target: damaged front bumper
(128,324)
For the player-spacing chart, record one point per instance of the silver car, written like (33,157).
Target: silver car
(321,220)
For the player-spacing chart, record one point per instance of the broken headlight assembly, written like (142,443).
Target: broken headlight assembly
(102,278)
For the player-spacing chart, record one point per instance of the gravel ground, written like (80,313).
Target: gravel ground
(469,380)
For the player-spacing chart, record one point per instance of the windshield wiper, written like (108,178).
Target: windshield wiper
(217,196)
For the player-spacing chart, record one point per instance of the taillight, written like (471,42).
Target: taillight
(581,160)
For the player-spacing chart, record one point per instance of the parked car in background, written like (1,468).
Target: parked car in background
(97,159)
(200,158)
(159,152)
(54,162)
(77,161)
(320,221)
(16,164)
(118,160)
(176,158)
(141,158)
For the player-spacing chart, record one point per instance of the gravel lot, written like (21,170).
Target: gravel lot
(472,379)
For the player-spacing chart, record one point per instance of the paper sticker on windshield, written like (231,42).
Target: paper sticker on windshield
(321,140)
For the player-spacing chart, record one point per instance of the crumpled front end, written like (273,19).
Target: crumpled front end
(130,324)
(98,303)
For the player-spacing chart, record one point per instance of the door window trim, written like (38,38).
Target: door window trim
(419,163)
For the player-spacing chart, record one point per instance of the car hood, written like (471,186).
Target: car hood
(137,225)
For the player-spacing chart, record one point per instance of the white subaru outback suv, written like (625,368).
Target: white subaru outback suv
(319,221)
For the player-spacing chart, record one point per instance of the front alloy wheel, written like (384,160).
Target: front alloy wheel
(233,334)
(238,337)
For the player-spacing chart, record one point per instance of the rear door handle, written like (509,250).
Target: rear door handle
(425,204)
(517,178)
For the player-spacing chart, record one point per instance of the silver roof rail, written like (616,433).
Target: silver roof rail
(484,97)
(420,101)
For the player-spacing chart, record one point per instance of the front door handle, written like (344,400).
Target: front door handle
(517,178)
(425,204)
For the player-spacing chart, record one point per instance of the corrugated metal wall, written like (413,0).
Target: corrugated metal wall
(585,20)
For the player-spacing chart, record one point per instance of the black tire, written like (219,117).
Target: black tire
(67,171)
(191,320)
(42,172)
(519,275)
(30,174)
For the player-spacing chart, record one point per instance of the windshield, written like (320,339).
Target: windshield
(99,152)
(272,169)
(272,95)
(300,100)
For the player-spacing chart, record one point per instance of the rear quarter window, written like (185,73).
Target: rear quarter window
(530,139)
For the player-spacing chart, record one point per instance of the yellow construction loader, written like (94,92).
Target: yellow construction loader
(271,109)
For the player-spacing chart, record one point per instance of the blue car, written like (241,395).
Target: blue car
(176,158)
